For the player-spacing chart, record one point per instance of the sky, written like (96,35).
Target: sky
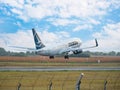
(59,20)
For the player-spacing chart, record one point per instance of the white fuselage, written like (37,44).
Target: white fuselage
(71,46)
(58,50)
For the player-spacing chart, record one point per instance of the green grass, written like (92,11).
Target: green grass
(39,64)
(63,80)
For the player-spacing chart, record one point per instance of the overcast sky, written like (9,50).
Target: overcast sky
(57,20)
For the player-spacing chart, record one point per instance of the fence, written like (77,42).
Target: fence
(106,80)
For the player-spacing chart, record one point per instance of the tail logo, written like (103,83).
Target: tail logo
(37,40)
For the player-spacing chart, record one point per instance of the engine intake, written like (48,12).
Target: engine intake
(77,51)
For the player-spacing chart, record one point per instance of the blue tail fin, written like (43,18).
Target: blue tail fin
(37,40)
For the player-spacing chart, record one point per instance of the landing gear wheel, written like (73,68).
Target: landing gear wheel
(66,57)
(51,57)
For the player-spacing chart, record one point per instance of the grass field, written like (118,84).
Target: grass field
(59,59)
(45,62)
(39,64)
(63,80)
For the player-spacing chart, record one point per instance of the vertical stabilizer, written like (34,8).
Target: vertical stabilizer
(37,40)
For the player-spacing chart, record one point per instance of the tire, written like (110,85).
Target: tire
(51,57)
(66,57)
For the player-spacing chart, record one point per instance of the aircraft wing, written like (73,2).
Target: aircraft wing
(23,48)
(77,50)
(96,45)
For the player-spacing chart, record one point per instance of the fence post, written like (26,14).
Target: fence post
(79,81)
(19,85)
(50,86)
(105,85)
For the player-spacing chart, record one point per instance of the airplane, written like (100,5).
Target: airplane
(67,49)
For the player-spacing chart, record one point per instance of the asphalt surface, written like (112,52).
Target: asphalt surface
(57,68)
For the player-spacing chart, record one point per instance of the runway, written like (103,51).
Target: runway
(57,68)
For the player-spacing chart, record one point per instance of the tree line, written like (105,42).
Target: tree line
(3,52)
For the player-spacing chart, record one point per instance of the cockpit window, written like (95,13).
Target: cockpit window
(72,43)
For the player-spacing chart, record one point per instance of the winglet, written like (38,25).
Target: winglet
(96,42)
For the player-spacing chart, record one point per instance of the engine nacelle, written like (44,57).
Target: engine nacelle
(70,53)
(77,51)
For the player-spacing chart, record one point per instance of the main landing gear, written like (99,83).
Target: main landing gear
(66,57)
(51,57)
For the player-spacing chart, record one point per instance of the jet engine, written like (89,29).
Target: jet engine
(77,51)
(70,53)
